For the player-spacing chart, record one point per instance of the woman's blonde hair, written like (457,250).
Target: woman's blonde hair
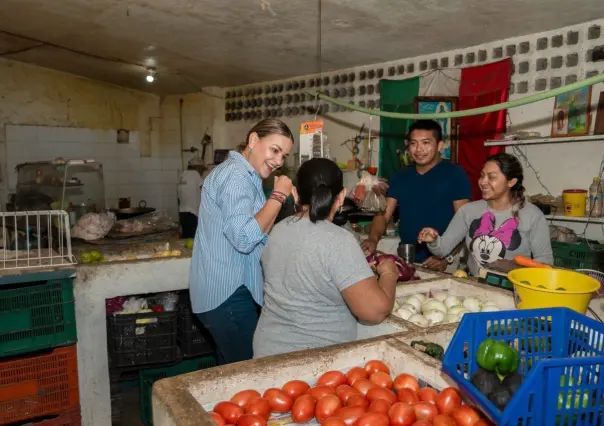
(269,126)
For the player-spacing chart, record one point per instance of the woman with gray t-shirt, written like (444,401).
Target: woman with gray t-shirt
(501,225)
(317,282)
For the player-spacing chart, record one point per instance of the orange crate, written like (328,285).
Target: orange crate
(39,385)
(68,418)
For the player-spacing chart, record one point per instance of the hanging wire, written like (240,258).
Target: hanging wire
(319,52)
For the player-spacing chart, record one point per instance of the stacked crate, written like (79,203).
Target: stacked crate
(38,357)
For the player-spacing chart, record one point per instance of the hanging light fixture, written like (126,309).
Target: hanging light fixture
(151,75)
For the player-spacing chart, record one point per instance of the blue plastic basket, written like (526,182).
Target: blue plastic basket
(552,343)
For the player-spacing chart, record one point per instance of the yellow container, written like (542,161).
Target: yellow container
(575,202)
(549,288)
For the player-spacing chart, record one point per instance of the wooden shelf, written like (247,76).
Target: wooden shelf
(584,219)
(535,141)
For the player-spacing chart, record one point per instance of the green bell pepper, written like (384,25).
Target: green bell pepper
(431,349)
(496,356)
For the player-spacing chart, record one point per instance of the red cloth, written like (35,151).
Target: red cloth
(481,86)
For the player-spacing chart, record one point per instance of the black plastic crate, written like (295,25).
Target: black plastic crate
(142,338)
(193,338)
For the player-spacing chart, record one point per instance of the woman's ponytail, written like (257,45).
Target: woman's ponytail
(321,202)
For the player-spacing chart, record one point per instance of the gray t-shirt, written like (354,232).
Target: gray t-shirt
(495,234)
(306,266)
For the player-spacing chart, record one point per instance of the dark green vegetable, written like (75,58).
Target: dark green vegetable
(500,398)
(512,382)
(431,349)
(486,382)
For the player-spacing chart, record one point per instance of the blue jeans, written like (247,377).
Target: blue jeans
(232,326)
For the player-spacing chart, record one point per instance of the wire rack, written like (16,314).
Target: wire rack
(35,239)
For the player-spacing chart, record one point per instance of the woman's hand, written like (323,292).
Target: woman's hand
(283,184)
(427,235)
(387,267)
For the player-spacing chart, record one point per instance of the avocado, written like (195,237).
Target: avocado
(486,382)
(512,382)
(500,398)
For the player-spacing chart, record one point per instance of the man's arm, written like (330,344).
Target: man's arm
(380,222)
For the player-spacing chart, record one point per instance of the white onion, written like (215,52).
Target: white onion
(462,313)
(449,318)
(420,296)
(404,313)
(396,305)
(434,316)
(420,320)
(455,310)
(490,308)
(440,295)
(410,307)
(489,303)
(471,304)
(451,301)
(434,304)
(415,301)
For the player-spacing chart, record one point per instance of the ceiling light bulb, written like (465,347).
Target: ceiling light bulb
(150,78)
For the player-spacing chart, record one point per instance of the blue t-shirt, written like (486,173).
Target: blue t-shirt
(427,200)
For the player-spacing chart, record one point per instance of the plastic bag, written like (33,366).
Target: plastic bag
(93,226)
(406,271)
(155,221)
(370,193)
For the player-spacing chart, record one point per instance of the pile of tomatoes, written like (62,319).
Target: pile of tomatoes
(362,397)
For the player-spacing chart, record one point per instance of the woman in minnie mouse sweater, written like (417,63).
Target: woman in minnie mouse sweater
(501,225)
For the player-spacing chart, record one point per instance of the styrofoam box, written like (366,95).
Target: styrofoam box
(180,400)
(439,334)
(389,326)
(504,299)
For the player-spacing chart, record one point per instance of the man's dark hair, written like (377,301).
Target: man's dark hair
(437,131)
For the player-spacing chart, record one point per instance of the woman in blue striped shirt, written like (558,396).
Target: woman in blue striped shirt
(226,282)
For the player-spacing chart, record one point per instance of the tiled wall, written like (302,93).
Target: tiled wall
(126,173)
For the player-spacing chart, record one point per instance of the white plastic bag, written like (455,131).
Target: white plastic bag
(93,226)
(370,193)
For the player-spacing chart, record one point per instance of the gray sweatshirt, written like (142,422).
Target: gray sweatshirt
(492,234)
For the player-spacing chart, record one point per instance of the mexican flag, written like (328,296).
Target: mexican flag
(399,96)
(473,87)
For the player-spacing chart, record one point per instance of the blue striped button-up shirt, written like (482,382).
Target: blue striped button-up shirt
(229,241)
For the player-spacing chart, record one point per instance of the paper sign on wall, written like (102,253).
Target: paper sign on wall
(311,140)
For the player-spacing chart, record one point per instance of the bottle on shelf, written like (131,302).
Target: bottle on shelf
(595,198)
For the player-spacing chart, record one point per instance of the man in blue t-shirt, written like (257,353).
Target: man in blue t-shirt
(427,193)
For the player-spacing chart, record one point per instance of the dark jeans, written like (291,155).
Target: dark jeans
(188,225)
(232,326)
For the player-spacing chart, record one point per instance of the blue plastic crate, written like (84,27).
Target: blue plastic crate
(552,343)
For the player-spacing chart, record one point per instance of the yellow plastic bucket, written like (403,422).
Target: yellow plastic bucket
(575,201)
(549,288)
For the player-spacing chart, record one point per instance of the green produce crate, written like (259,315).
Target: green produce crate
(36,315)
(150,376)
(579,256)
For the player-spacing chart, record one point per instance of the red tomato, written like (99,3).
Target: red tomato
(304,408)
(280,401)
(357,401)
(381,393)
(251,420)
(464,416)
(260,407)
(402,414)
(327,407)
(334,421)
(381,379)
(483,422)
(356,373)
(443,420)
(350,415)
(344,392)
(333,379)
(295,388)
(407,395)
(241,398)
(320,391)
(422,423)
(427,394)
(424,410)
(405,381)
(229,411)
(373,419)
(363,385)
(217,418)
(374,366)
(448,400)
(380,406)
